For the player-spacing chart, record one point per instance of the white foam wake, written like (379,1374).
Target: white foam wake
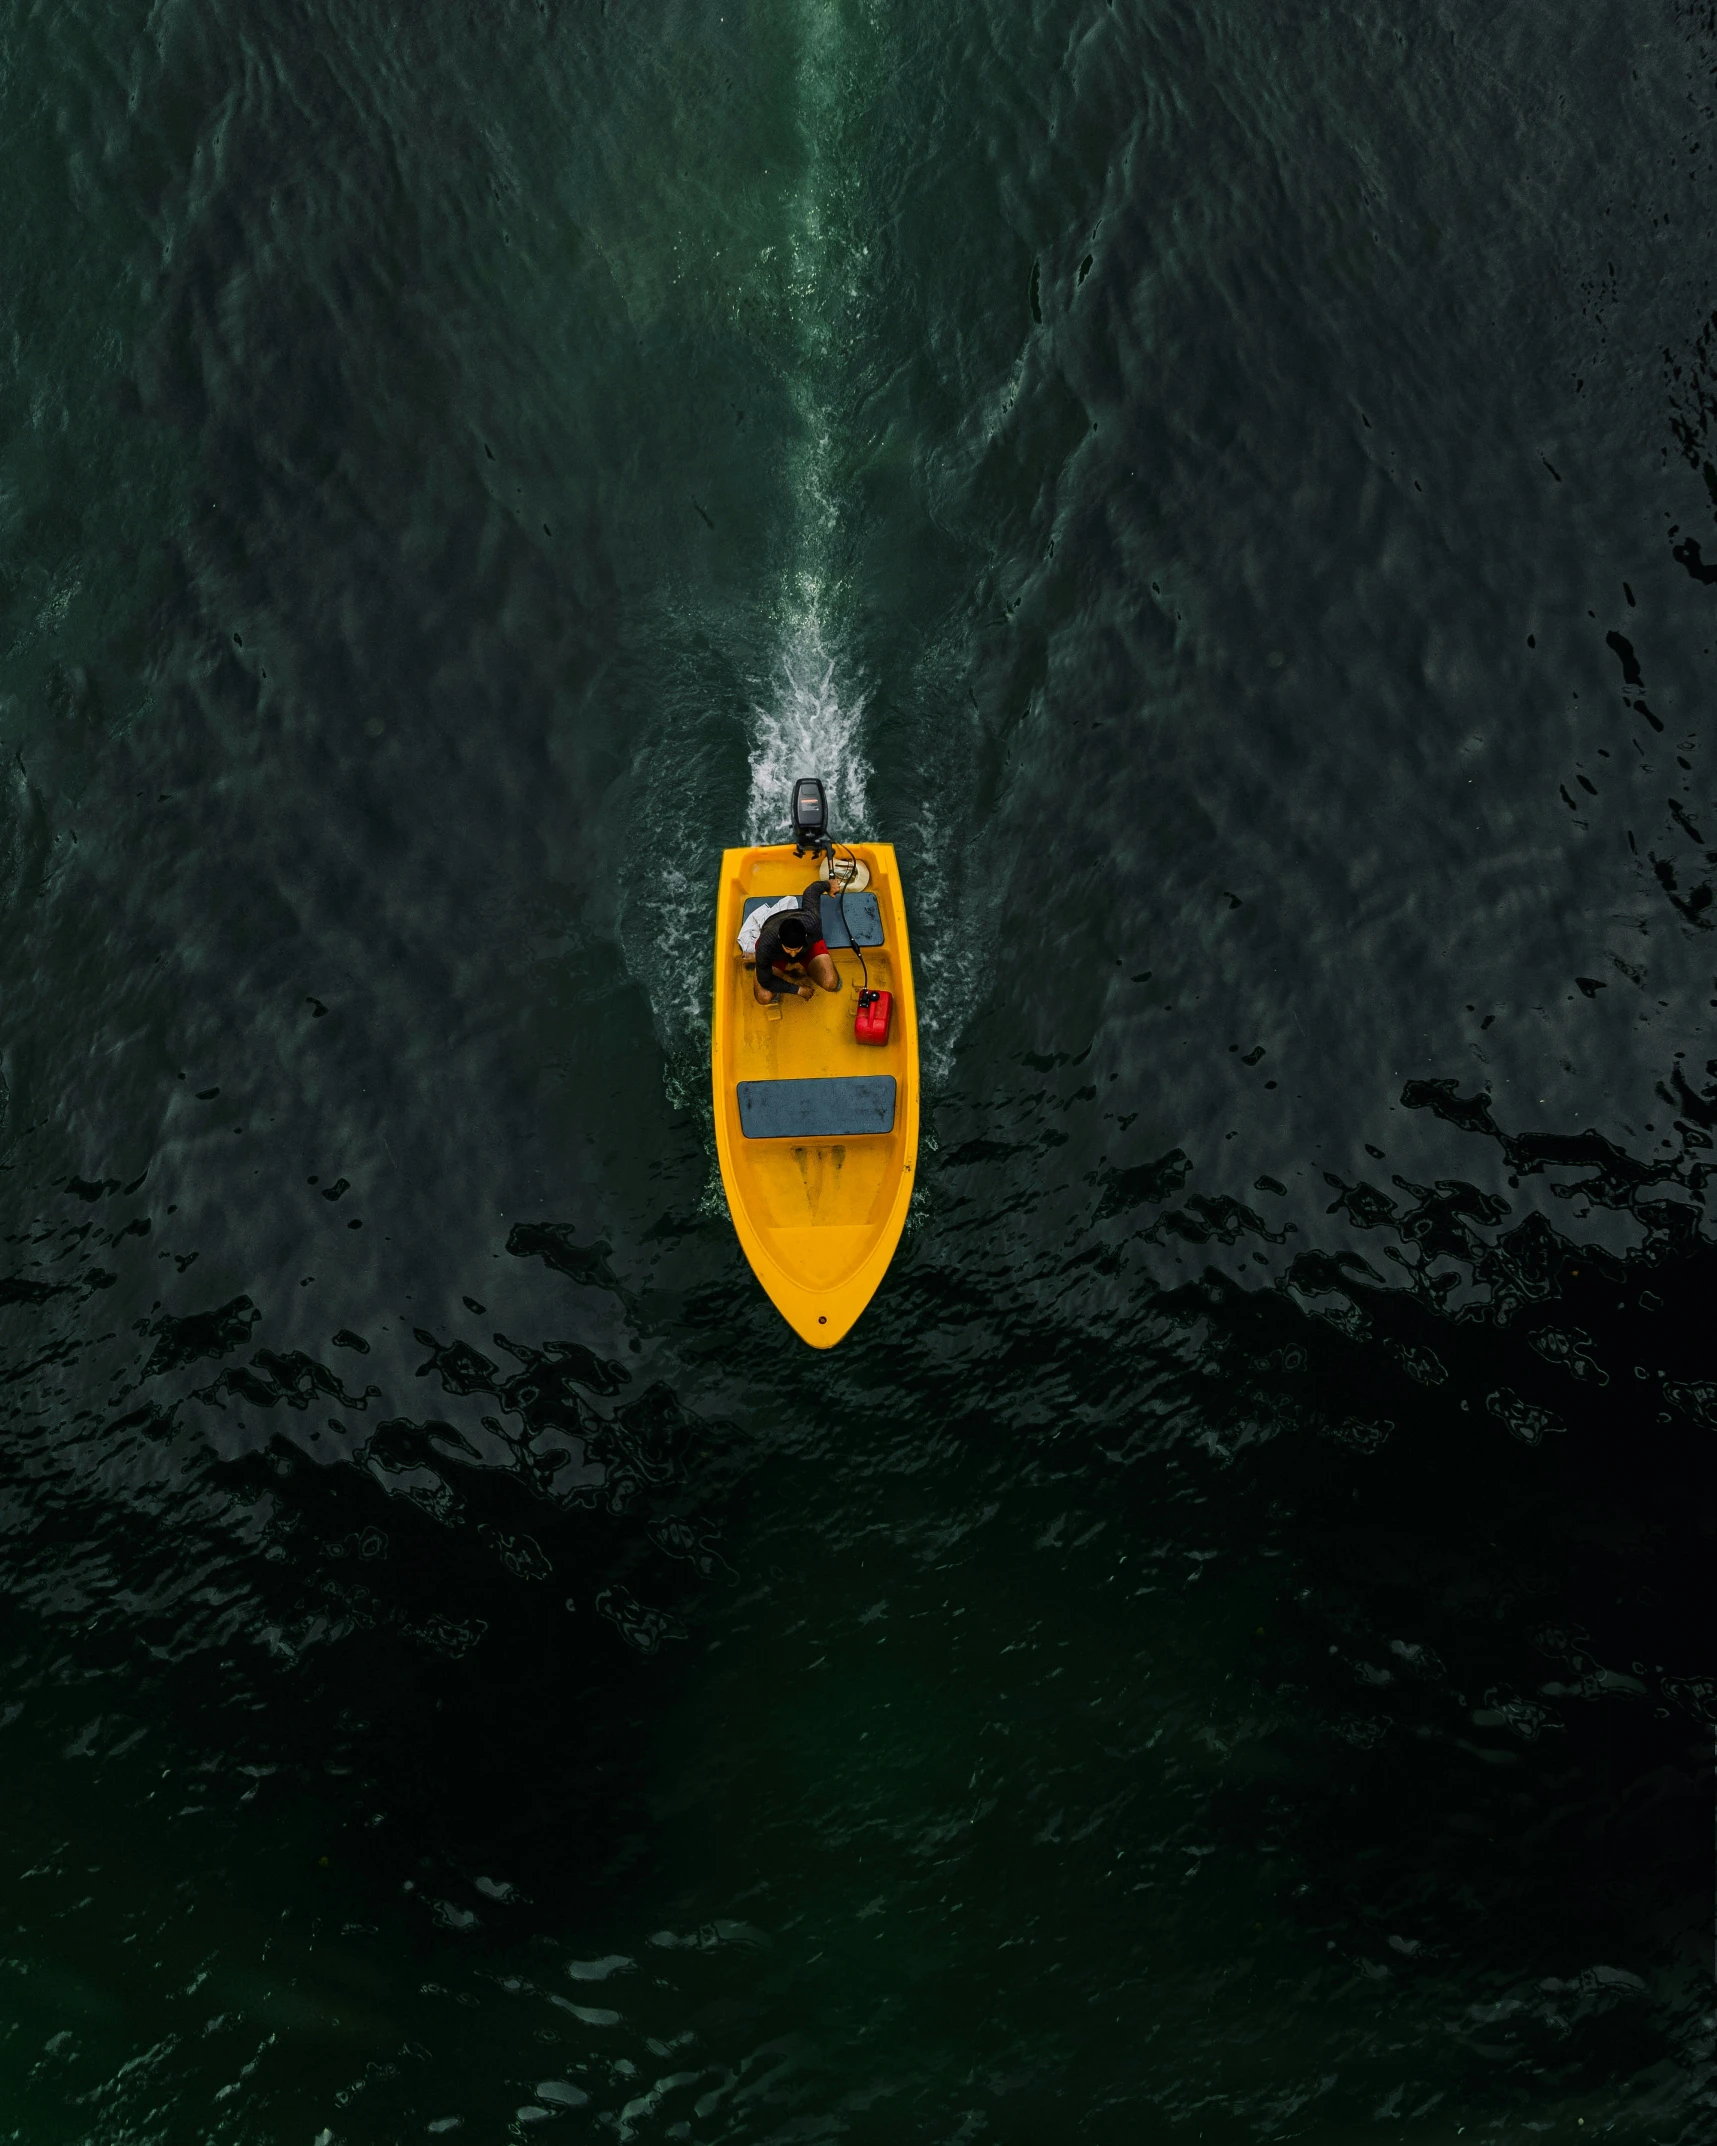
(804,726)
(804,722)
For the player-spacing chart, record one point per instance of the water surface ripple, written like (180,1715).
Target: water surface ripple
(1230,489)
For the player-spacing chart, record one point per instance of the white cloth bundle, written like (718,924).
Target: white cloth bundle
(751,929)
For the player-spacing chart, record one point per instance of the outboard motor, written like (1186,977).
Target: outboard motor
(810,817)
(811,836)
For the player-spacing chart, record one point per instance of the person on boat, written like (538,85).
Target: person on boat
(791,954)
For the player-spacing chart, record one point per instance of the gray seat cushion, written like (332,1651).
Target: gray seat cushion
(864,918)
(817,1109)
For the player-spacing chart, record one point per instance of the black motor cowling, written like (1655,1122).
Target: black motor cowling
(810,814)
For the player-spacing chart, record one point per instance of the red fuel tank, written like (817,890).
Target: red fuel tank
(875,1012)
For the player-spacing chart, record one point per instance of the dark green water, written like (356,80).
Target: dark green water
(1225,1651)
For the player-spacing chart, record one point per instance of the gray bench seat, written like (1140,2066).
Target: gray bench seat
(837,1109)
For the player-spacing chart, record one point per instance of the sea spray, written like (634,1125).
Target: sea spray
(805,727)
(811,719)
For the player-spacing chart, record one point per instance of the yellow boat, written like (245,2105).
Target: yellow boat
(817,1133)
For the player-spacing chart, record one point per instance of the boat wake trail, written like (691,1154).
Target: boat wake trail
(803,724)
(805,727)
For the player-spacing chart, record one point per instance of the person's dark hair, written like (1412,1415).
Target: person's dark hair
(793,934)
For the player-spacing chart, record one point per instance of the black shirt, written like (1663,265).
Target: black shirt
(770,951)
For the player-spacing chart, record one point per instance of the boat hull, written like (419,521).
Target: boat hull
(818,1204)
